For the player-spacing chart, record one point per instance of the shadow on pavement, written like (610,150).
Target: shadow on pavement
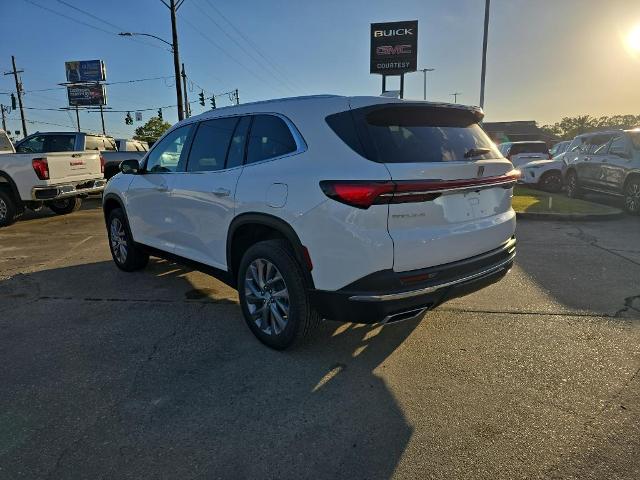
(144,375)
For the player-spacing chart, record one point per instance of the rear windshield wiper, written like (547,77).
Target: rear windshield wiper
(474,152)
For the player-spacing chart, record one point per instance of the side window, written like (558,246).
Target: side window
(602,149)
(235,156)
(210,145)
(34,144)
(269,137)
(618,146)
(59,143)
(167,154)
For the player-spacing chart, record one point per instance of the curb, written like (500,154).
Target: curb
(569,216)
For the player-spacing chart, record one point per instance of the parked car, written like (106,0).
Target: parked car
(519,153)
(47,142)
(606,162)
(6,145)
(559,148)
(55,180)
(543,174)
(131,145)
(362,209)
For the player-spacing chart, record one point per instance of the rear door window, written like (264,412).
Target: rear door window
(269,137)
(210,145)
(414,134)
(59,143)
(235,157)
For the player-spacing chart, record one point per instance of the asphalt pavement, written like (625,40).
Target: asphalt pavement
(154,374)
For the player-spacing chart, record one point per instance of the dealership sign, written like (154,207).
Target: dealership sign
(87,95)
(394,47)
(85,71)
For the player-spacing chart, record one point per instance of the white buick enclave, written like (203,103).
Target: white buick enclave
(361,209)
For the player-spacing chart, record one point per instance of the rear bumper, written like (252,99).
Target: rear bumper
(54,192)
(386,296)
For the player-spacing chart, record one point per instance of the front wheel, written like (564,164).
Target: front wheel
(273,295)
(632,197)
(551,182)
(573,188)
(64,206)
(126,255)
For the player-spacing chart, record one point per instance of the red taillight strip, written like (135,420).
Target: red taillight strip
(363,194)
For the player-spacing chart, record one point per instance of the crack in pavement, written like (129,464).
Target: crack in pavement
(593,241)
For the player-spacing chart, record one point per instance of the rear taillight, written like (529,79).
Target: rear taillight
(363,194)
(41,167)
(101,164)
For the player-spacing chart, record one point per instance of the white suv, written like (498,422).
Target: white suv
(360,209)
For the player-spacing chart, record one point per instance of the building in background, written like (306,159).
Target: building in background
(518,131)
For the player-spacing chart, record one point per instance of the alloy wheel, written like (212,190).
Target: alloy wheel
(552,182)
(118,239)
(3,209)
(632,197)
(267,296)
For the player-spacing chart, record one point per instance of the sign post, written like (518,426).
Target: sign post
(394,50)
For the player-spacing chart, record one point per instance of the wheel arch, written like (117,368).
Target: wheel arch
(110,202)
(5,179)
(249,228)
(635,175)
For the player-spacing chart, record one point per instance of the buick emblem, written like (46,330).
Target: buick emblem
(480,170)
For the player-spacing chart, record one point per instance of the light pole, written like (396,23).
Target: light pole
(173,7)
(424,82)
(484,51)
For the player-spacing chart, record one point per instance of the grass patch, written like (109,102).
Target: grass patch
(530,200)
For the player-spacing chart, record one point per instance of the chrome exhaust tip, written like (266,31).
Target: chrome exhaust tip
(406,315)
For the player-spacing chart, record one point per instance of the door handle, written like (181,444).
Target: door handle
(222,192)
(162,188)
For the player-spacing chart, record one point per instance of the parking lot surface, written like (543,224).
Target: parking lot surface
(154,374)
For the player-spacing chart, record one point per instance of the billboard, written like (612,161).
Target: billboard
(86,95)
(85,71)
(394,47)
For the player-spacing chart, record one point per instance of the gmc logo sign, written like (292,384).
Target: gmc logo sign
(393,50)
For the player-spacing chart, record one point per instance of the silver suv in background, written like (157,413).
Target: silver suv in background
(520,153)
(606,162)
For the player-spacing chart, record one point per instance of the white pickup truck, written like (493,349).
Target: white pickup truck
(56,180)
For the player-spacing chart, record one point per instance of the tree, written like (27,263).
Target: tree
(569,127)
(152,130)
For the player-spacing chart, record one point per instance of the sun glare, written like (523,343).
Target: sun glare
(633,39)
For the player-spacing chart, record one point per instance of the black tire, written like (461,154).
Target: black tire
(573,187)
(126,255)
(632,196)
(8,209)
(551,182)
(301,319)
(65,206)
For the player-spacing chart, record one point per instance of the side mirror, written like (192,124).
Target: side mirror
(130,167)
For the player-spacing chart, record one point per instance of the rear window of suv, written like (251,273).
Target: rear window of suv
(413,134)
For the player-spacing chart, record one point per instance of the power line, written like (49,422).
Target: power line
(283,80)
(212,42)
(255,47)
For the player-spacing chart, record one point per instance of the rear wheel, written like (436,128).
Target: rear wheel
(632,196)
(8,209)
(273,295)
(573,187)
(65,206)
(126,255)
(551,182)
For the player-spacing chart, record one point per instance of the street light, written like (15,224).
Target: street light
(485,37)
(173,6)
(424,84)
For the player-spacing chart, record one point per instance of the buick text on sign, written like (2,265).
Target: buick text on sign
(394,47)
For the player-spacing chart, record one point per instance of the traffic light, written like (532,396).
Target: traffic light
(202,98)
(128,119)
(13,101)
(213,102)
(160,113)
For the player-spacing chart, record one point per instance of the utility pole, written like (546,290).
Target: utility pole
(15,73)
(78,118)
(484,51)
(237,98)
(176,55)
(455,96)
(187,107)
(4,121)
(424,84)
(104,132)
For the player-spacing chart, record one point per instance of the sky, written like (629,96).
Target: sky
(546,58)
